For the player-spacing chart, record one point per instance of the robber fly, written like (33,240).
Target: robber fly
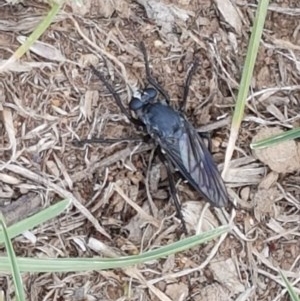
(180,143)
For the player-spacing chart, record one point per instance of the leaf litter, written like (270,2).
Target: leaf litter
(47,104)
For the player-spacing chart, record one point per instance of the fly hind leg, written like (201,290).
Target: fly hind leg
(206,136)
(173,190)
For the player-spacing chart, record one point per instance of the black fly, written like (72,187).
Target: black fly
(178,140)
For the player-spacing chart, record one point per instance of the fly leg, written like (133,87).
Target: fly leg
(188,80)
(204,135)
(106,141)
(116,96)
(173,190)
(145,139)
(207,137)
(150,78)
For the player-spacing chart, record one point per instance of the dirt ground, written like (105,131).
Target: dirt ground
(51,98)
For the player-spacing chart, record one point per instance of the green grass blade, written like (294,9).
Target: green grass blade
(289,287)
(41,28)
(35,220)
(12,262)
(98,263)
(246,78)
(288,135)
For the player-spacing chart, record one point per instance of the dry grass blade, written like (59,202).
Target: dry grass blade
(10,129)
(230,14)
(139,210)
(21,208)
(136,274)
(108,161)
(45,50)
(24,172)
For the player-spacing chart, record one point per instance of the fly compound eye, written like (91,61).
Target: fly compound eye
(148,95)
(135,104)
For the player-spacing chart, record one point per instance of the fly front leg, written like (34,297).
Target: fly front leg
(116,96)
(150,78)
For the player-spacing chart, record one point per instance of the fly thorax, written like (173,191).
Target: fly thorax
(162,120)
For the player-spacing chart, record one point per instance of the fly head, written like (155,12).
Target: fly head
(147,96)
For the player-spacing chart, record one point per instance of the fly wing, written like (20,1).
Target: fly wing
(189,154)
